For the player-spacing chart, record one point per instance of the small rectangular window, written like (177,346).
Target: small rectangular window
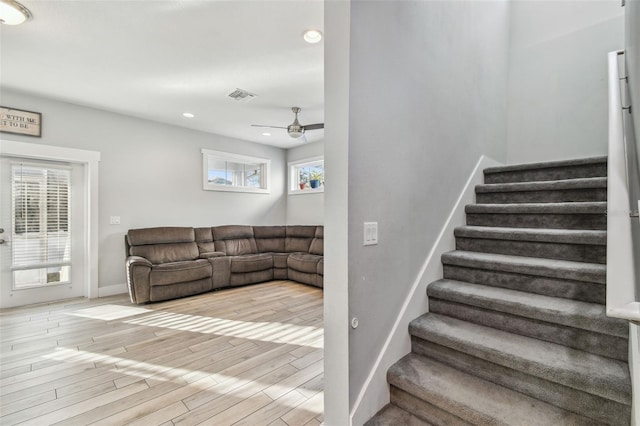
(306,176)
(223,171)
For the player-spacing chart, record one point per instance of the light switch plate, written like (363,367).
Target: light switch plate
(114,220)
(370,233)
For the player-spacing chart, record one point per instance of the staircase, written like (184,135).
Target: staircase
(516,332)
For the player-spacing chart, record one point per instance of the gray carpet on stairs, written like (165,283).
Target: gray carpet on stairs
(517,332)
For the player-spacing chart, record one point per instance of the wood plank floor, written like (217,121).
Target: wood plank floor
(246,356)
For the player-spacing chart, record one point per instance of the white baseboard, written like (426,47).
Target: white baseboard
(375,392)
(112,290)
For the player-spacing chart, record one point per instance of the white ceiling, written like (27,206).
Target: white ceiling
(157,59)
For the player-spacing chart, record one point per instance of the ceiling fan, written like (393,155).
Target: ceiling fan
(295,129)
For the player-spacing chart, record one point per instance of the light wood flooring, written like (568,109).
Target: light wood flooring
(246,356)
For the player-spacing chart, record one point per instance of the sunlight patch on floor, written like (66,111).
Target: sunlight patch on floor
(208,381)
(109,312)
(275,332)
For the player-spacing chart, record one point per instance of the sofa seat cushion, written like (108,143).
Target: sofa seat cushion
(251,263)
(321,267)
(180,272)
(280,260)
(304,262)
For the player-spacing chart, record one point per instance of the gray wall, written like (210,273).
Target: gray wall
(558,77)
(632,48)
(632,62)
(151,174)
(305,209)
(427,98)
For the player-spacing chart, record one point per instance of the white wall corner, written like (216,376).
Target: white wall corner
(112,290)
(375,393)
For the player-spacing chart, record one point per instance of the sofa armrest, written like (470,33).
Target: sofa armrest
(138,279)
(211,254)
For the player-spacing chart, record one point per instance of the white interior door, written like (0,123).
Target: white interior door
(43,222)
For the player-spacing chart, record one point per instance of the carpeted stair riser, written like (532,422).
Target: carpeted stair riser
(581,271)
(552,221)
(554,310)
(392,415)
(427,412)
(547,172)
(556,287)
(576,252)
(561,196)
(587,215)
(578,245)
(602,410)
(595,343)
(548,361)
(474,400)
(560,191)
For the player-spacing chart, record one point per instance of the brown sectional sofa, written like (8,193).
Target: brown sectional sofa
(169,262)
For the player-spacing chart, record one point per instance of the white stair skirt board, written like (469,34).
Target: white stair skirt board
(375,393)
(634,368)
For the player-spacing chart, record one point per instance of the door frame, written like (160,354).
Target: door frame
(90,160)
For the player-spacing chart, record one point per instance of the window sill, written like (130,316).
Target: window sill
(222,188)
(306,191)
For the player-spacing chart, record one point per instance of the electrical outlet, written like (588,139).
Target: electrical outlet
(114,220)
(370,233)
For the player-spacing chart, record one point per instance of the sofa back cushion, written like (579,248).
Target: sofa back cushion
(204,240)
(299,238)
(317,244)
(160,235)
(163,244)
(234,240)
(270,238)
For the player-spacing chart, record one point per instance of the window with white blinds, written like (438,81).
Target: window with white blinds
(41,240)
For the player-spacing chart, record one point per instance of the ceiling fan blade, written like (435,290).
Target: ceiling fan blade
(314,126)
(271,127)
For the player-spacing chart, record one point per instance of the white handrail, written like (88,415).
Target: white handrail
(621,301)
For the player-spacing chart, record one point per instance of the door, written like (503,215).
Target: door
(43,229)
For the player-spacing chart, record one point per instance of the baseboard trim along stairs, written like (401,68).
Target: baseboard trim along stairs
(516,332)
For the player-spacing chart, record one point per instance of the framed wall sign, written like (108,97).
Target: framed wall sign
(20,122)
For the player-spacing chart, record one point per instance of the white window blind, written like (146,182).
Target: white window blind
(41,240)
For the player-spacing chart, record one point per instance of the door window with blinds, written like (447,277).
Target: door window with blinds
(41,225)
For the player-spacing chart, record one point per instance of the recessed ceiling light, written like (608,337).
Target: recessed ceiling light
(266,134)
(188,114)
(312,36)
(13,13)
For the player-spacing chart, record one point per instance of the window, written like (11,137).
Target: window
(306,176)
(41,238)
(231,172)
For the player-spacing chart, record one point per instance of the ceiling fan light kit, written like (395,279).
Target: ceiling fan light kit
(295,130)
(13,13)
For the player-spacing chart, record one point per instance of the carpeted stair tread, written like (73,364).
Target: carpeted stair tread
(576,369)
(392,415)
(547,164)
(551,185)
(547,171)
(564,269)
(568,236)
(605,411)
(571,313)
(474,400)
(595,208)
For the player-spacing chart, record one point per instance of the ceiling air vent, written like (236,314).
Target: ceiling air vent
(241,95)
